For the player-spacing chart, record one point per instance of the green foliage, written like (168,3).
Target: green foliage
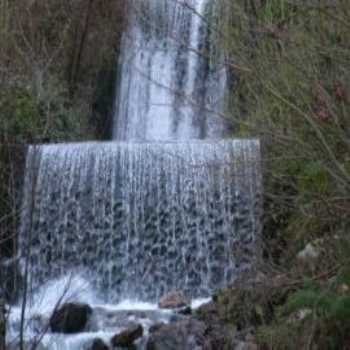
(44,117)
(331,312)
(315,314)
(20,112)
(290,87)
(309,298)
(274,11)
(280,336)
(314,178)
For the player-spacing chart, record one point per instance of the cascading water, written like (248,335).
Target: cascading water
(144,219)
(157,209)
(171,81)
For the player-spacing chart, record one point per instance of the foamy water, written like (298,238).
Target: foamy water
(78,290)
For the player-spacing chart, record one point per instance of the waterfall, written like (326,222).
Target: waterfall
(171,85)
(167,205)
(143,219)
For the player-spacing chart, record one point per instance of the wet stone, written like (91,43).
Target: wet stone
(98,344)
(128,337)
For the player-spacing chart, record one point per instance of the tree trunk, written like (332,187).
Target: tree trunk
(78,54)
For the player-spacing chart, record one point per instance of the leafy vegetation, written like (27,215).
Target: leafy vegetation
(291,89)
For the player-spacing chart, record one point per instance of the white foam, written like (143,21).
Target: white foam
(44,301)
(196,303)
(129,305)
(77,289)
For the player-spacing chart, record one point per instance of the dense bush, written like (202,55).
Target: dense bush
(291,88)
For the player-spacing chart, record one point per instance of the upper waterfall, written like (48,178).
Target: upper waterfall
(170,83)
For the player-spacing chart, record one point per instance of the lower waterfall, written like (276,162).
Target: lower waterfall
(142,219)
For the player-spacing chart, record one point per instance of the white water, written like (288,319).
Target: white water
(106,320)
(141,220)
(171,85)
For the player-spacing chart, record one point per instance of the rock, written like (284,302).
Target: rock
(156,327)
(70,318)
(343,289)
(106,319)
(99,344)
(174,300)
(308,257)
(185,311)
(309,253)
(175,317)
(127,337)
(187,334)
(299,315)
(260,278)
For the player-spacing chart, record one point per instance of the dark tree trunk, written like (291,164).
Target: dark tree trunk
(80,48)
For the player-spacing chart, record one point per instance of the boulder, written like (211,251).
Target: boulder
(98,344)
(128,337)
(155,327)
(343,289)
(176,317)
(309,253)
(174,300)
(188,334)
(186,311)
(70,318)
(299,315)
